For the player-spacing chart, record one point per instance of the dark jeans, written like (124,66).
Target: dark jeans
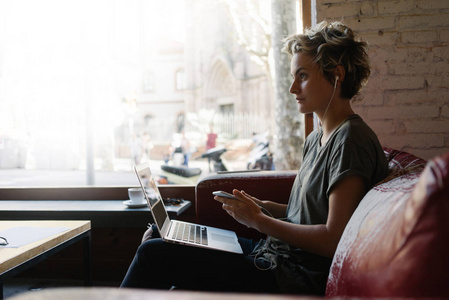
(161,265)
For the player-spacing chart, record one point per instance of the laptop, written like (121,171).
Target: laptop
(179,232)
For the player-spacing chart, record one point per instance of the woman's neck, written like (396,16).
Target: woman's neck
(333,119)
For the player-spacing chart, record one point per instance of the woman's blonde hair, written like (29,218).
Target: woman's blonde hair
(331,45)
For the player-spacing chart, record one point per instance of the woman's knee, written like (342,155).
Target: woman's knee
(150,248)
(158,251)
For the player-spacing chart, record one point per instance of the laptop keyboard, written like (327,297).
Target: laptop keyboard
(190,233)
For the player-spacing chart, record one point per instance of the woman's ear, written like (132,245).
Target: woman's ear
(340,73)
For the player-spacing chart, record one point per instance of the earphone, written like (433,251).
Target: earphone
(336,80)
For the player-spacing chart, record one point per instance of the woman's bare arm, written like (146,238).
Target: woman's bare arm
(276,210)
(320,239)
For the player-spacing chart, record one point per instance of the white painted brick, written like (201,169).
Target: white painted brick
(404,97)
(419,37)
(424,140)
(384,127)
(372,91)
(428,153)
(412,53)
(445,112)
(444,36)
(415,111)
(371,24)
(401,83)
(419,68)
(425,126)
(394,7)
(370,97)
(428,21)
(361,110)
(381,55)
(381,38)
(367,8)
(323,6)
(392,141)
(440,53)
(416,140)
(342,10)
(433,4)
(438,82)
(401,68)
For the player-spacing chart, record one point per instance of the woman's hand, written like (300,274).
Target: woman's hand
(245,209)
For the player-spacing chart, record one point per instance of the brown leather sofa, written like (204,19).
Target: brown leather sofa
(395,245)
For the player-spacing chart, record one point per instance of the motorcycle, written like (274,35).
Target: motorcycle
(172,174)
(186,175)
(179,175)
(260,157)
(220,164)
(177,172)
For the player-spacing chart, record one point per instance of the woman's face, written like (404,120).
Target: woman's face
(312,90)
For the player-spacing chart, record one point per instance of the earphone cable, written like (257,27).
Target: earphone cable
(330,101)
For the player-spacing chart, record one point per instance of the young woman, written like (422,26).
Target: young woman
(342,160)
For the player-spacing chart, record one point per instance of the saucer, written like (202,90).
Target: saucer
(132,205)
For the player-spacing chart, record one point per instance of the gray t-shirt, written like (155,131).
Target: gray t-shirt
(353,149)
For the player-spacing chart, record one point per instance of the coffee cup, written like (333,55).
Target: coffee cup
(136,196)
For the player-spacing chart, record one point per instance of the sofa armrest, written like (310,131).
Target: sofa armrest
(265,185)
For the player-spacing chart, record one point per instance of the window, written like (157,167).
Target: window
(180,80)
(148,81)
(80,79)
(227,109)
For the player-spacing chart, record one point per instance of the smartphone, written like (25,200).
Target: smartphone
(224,194)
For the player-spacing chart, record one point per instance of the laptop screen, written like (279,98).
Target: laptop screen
(152,194)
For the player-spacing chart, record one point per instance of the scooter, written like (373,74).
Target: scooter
(179,175)
(185,175)
(215,155)
(220,164)
(260,157)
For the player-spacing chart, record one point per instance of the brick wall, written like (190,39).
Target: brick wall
(406,100)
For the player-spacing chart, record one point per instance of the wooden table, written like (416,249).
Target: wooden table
(15,260)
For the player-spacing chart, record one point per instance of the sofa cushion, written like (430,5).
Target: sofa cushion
(401,163)
(397,242)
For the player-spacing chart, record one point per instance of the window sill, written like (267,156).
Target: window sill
(103,206)
(105,213)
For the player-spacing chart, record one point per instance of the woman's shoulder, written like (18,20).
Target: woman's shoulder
(356,129)
(312,138)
